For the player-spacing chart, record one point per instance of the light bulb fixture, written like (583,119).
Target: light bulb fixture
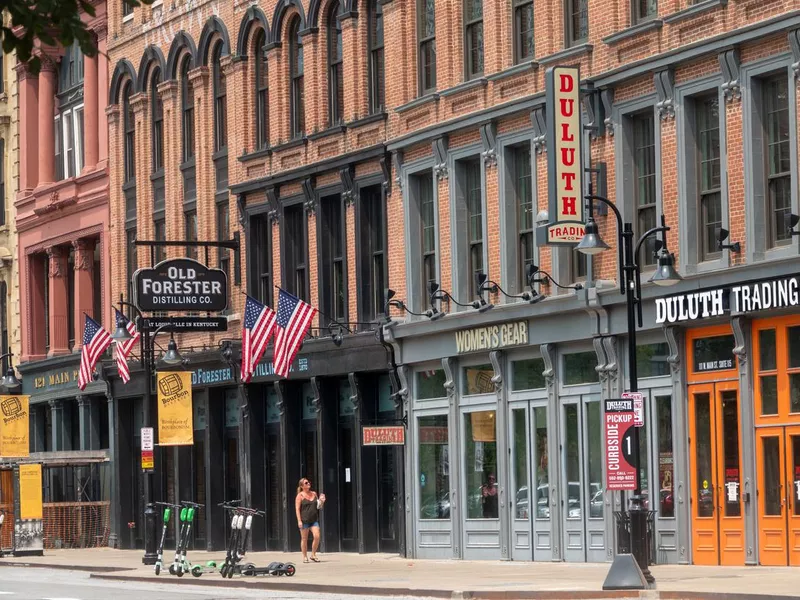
(536,275)
(591,243)
(793,221)
(722,236)
(665,274)
(172,358)
(493,287)
(337,330)
(121,334)
(388,295)
(480,285)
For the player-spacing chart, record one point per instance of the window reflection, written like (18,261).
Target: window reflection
(666,461)
(434,468)
(480,464)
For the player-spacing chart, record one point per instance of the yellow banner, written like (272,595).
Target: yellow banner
(30,492)
(175,408)
(14,418)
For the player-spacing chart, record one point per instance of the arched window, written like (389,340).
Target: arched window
(335,74)
(220,101)
(130,133)
(297,99)
(187,110)
(262,91)
(157,116)
(375,47)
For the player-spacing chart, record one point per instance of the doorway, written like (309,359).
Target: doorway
(530,486)
(348,524)
(778,460)
(716,466)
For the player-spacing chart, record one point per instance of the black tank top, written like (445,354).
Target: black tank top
(309,513)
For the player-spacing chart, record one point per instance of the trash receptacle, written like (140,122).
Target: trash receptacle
(623,519)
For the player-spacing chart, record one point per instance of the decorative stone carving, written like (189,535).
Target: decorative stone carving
(794,43)
(310,203)
(84,255)
(489,140)
(386,169)
(612,362)
(495,357)
(397,159)
(55,260)
(597,342)
(402,395)
(664,82)
(281,403)
(539,129)
(731,81)
(739,326)
(355,393)
(440,157)
(348,188)
(274,213)
(674,358)
(450,381)
(548,352)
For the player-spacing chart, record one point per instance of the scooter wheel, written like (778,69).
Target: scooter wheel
(248,570)
(172,569)
(179,573)
(158,569)
(223,571)
(197,571)
(290,570)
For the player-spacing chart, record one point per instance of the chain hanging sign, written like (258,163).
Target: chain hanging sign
(181,284)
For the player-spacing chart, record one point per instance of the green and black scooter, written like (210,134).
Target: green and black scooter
(185,565)
(168,507)
(180,565)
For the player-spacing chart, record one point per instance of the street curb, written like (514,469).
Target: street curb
(87,568)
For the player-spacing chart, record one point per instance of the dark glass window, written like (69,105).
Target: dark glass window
(651,359)
(523,30)
(377,79)
(130,133)
(190,225)
(709,176)
(220,101)
(160,235)
(477,380)
(430,384)
(187,109)
(335,72)
(69,120)
(157,116)
(577,21)
(261,285)
(713,354)
(527,374)
(296,69)
(523,190)
(372,246)
(2,182)
(473,37)
(474,204)
(223,233)
(294,232)
(262,92)
(580,368)
(426,45)
(644,10)
(644,160)
(666,458)
(131,260)
(777,139)
(333,257)
(127,9)
(425,200)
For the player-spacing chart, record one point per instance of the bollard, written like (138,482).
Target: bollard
(150,534)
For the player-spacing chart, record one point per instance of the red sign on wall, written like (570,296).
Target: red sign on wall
(384,436)
(620,467)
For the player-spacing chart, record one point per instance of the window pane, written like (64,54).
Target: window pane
(523,20)
(540,458)
(434,468)
(651,359)
(666,461)
(572,459)
(430,384)
(704,480)
(769,394)
(766,350)
(480,465)
(794,392)
(520,466)
(478,379)
(644,152)
(580,368)
(730,444)
(595,456)
(714,353)
(528,374)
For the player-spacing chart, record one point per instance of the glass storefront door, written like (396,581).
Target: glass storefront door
(529,492)
(716,466)
(433,537)
(582,481)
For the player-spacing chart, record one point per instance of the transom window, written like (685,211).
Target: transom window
(777,140)
(473,37)
(426,41)
(708,168)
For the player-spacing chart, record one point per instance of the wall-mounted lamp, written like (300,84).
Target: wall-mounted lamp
(793,221)
(536,275)
(480,286)
(722,236)
(337,330)
(388,297)
(487,285)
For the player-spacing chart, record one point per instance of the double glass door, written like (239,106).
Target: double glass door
(530,486)
(778,460)
(716,481)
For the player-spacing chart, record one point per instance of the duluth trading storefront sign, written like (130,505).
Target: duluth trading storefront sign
(181,284)
(744,298)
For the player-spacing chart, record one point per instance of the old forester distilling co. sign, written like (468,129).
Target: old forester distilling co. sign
(181,284)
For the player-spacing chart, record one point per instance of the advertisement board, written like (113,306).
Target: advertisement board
(14,426)
(175,408)
(620,464)
(384,436)
(181,284)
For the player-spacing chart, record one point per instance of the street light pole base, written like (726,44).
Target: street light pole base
(149,559)
(625,574)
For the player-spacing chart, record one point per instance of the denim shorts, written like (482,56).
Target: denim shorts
(310,525)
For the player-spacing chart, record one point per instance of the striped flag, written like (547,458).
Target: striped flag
(123,348)
(95,341)
(259,324)
(294,321)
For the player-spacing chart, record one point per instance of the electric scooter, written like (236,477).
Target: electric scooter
(176,568)
(167,515)
(244,525)
(273,568)
(233,538)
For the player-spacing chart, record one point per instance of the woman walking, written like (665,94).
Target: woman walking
(306,506)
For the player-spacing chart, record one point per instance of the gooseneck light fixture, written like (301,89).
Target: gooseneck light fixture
(723,234)
(389,300)
(487,285)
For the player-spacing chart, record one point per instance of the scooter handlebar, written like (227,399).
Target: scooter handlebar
(190,503)
(172,504)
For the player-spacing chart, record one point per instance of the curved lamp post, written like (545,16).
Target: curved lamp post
(630,285)
(9,384)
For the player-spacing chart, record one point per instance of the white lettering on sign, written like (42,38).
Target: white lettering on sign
(494,336)
(612,443)
(732,488)
(147,438)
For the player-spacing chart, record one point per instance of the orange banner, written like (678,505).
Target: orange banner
(175,408)
(30,492)
(14,426)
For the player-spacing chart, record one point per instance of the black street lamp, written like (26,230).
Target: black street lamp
(171,358)
(9,384)
(630,285)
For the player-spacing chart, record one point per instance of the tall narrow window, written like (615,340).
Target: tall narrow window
(190,226)
(157,110)
(577,21)
(335,74)
(708,169)
(127,9)
(220,101)
(297,100)
(425,183)
(131,261)
(160,235)
(777,139)
(376,64)
(130,133)
(187,110)
(426,45)
(644,10)
(372,248)
(473,37)
(644,155)
(261,249)
(223,233)
(523,30)
(473,197)
(2,182)
(294,233)
(69,141)
(262,92)
(333,256)
(523,190)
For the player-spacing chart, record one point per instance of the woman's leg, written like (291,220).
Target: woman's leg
(304,543)
(315,543)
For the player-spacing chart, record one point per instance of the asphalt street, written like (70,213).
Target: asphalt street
(27,583)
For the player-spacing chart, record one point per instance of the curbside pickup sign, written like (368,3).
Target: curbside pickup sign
(181,284)
(620,468)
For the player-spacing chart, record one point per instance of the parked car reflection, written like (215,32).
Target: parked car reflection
(542,502)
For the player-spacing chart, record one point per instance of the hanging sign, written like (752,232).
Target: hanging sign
(383,436)
(179,324)
(181,284)
(30,492)
(620,467)
(638,407)
(175,408)
(14,426)
(564,156)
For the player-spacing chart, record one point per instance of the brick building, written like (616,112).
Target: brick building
(397,144)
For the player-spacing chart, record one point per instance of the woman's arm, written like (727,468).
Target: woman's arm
(297,502)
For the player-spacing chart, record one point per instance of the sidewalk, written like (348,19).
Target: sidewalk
(386,575)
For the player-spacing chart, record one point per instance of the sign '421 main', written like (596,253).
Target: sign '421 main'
(181,284)
(564,155)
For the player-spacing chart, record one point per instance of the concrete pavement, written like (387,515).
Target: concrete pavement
(389,575)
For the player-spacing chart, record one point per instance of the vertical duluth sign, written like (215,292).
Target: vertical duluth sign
(564,156)
(181,284)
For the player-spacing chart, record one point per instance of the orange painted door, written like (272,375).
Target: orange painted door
(792,488)
(772,509)
(715,462)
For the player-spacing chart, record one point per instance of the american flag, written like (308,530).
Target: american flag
(124,347)
(294,320)
(259,324)
(95,341)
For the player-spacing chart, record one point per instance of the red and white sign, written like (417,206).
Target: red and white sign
(638,407)
(620,468)
(384,436)
(564,156)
